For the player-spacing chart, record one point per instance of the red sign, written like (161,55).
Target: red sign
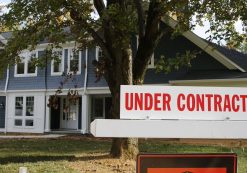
(187,170)
(187,163)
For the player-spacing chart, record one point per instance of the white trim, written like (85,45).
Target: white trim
(7,80)
(207,80)
(97,48)
(3,130)
(70,53)
(3,40)
(25,61)
(62,64)
(204,46)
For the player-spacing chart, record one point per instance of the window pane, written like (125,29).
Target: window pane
(29,106)
(98,107)
(18,122)
(74,61)
(29,123)
(20,68)
(18,106)
(57,63)
(31,67)
(72,111)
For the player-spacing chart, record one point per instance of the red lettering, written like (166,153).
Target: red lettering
(209,97)
(166,102)
(227,103)
(235,107)
(191,102)
(148,101)
(200,102)
(128,101)
(180,107)
(217,103)
(138,101)
(243,97)
(157,101)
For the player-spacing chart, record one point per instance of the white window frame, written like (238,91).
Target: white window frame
(70,51)
(97,53)
(151,62)
(23,117)
(26,56)
(62,64)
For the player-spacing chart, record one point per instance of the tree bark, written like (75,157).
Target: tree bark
(121,147)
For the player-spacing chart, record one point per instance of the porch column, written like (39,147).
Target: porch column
(47,116)
(85,114)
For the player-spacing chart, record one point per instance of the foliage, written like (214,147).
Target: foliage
(110,25)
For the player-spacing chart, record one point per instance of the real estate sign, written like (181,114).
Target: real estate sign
(180,102)
(187,163)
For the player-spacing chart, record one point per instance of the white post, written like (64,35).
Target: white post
(23,170)
(84,114)
(47,116)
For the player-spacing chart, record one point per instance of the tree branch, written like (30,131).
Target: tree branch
(141,19)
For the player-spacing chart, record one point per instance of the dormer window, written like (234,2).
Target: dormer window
(26,67)
(99,53)
(74,61)
(57,64)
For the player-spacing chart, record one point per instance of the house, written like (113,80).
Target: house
(25,89)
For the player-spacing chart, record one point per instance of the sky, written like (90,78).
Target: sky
(200,31)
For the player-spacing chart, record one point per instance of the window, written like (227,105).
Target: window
(101,107)
(29,106)
(74,63)
(99,53)
(18,106)
(24,104)
(26,67)
(57,66)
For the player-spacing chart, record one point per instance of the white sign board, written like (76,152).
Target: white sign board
(177,102)
(169,129)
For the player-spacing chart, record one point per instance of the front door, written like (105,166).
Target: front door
(69,114)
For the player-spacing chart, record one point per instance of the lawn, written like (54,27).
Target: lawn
(83,154)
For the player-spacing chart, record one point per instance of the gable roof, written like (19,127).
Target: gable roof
(208,48)
(237,57)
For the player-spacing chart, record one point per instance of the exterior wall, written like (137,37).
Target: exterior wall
(39,112)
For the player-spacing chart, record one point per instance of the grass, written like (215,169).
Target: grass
(62,154)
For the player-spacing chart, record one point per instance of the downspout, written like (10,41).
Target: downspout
(45,92)
(6,99)
(85,88)
(85,77)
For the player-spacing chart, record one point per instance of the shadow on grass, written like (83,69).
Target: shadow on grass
(33,159)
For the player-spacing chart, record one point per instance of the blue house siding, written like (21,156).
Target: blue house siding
(3,82)
(180,45)
(53,82)
(91,82)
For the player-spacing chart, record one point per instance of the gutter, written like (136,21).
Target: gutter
(6,99)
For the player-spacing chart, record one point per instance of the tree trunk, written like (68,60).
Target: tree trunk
(121,147)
